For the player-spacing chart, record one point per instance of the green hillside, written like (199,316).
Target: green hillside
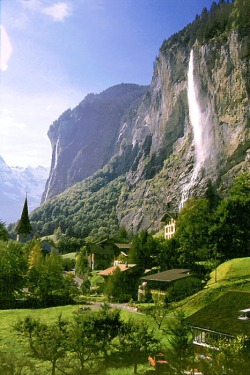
(233,269)
(231,275)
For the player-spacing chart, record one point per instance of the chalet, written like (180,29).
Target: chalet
(169,229)
(161,280)
(170,225)
(226,317)
(101,254)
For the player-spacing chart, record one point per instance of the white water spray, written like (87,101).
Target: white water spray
(199,122)
(54,165)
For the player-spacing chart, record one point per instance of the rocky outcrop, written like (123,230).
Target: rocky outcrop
(221,72)
(84,139)
(147,135)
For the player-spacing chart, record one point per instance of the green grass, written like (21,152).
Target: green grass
(9,338)
(233,269)
(232,275)
(69,256)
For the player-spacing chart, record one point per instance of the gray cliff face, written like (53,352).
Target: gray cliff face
(84,139)
(148,135)
(156,185)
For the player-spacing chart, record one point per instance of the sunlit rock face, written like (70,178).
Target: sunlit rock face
(189,127)
(197,116)
(84,139)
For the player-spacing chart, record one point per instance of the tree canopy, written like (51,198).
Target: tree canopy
(24,227)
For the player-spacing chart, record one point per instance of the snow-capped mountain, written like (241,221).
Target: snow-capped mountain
(14,183)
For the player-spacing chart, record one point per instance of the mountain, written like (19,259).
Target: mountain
(14,183)
(191,128)
(84,139)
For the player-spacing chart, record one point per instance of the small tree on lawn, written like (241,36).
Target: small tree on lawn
(158,312)
(137,342)
(48,342)
(181,343)
(90,339)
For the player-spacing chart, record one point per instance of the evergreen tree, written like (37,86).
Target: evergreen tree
(24,227)
(4,235)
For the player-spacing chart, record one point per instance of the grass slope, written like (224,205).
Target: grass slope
(232,275)
(232,269)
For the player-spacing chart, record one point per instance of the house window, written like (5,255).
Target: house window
(170,229)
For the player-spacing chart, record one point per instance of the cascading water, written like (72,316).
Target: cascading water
(54,164)
(200,127)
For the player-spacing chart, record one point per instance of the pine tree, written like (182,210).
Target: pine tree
(24,227)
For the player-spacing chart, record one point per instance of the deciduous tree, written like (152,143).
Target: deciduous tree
(137,341)
(13,267)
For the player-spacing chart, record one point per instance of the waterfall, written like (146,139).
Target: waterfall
(53,167)
(200,126)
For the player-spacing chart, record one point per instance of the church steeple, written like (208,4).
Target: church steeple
(24,227)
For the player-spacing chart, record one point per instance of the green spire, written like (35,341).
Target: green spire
(24,227)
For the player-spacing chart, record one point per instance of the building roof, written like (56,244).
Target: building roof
(168,216)
(123,245)
(222,315)
(110,270)
(168,276)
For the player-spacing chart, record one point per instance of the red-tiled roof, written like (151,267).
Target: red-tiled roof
(110,270)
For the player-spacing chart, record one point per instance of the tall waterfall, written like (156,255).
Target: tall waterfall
(200,125)
(53,167)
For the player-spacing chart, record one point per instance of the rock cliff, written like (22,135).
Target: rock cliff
(84,139)
(221,78)
(163,143)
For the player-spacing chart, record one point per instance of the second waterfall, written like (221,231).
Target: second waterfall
(200,129)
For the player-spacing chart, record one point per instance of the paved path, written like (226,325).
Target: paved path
(122,306)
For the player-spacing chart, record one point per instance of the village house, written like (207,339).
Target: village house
(170,225)
(225,318)
(169,229)
(160,281)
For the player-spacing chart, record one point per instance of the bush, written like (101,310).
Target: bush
(184,288)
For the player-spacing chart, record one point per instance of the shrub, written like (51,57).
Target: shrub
(184,288)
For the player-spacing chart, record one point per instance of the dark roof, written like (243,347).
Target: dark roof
(169,275)
(46,246)
(123,245)
(168,216)
(222,314)
(103,247)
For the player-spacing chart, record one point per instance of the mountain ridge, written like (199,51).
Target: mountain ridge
(84,139)
(157,164)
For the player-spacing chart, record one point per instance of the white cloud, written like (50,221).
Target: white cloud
(5,49)
(58,10)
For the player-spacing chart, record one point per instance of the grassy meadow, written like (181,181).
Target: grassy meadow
(232,275)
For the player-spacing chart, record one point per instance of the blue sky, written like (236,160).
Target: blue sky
(54,52)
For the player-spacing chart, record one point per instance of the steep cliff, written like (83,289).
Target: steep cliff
(221,78)
(192,126)
(84,139)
